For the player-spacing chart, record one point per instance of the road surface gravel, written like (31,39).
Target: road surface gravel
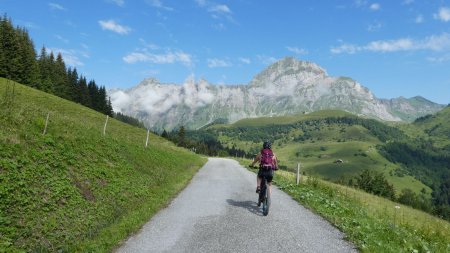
(217,212)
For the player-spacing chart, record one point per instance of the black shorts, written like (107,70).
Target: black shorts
(268,173)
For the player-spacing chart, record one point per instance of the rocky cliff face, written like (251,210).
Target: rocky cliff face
(288,86)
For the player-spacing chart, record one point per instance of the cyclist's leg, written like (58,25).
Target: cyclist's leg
(258,179)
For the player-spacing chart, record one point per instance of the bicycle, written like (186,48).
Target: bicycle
(264,196)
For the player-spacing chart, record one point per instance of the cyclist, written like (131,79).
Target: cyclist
(267,164)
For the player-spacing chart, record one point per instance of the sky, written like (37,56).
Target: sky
(393,47)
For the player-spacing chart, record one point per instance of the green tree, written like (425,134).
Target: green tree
(45,71)
(375,183)
(181,136)
(10,65)
(60,78)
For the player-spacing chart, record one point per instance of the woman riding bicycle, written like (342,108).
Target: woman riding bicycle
(267,164)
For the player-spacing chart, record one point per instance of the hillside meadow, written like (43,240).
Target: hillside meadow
(80,186)
(317,141)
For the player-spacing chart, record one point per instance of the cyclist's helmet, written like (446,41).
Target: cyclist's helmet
(267,145)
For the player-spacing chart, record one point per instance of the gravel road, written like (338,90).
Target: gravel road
(217,212)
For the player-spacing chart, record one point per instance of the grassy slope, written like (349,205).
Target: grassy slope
(436,127)
(74,189)
(355,145)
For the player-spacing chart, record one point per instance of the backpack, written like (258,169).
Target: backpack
(266,160)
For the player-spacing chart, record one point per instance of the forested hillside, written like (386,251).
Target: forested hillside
(47,72)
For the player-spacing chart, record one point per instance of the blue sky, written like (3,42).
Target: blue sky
(395,48)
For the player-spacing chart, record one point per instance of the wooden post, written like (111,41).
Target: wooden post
(146,142)
(298,173)
(106,123)
(46,123)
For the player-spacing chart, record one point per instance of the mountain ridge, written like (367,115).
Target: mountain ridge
(286,87)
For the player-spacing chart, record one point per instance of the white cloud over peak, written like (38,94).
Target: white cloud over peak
(111,25)
(434,43)
(443,14)
(266,60)
(168,58)
(217,63)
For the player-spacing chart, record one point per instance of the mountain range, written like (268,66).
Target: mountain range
(288,86)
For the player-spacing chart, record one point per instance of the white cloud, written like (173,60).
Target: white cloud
(419,19)
(435,43)
(217,63)
(443,14)
(55,6)
(360,3)
(119,3)
(244,60)
(69,56)
(439,59)
(220,8)
(218,12)
(168,58)
(159,4)
(374,27)
(61,38)
(266,60)
(390,45)
(297,50)
(201,3)
(375,6)
(111,25)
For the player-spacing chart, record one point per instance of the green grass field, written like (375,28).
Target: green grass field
(74,188)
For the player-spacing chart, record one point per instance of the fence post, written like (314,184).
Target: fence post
(46,123)
(104,128)
(146,141)
(298,173)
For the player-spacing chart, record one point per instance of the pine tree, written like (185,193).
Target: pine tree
(181,136)
(72,80)
(10,65)
(60,80)
(83,93)
(44,63)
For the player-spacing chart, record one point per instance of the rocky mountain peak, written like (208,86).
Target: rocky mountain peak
(288,86)
(288,68)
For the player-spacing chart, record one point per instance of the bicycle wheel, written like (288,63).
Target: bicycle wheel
(266,202)
(261,193)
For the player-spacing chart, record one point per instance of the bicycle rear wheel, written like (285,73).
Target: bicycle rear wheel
(266,201)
